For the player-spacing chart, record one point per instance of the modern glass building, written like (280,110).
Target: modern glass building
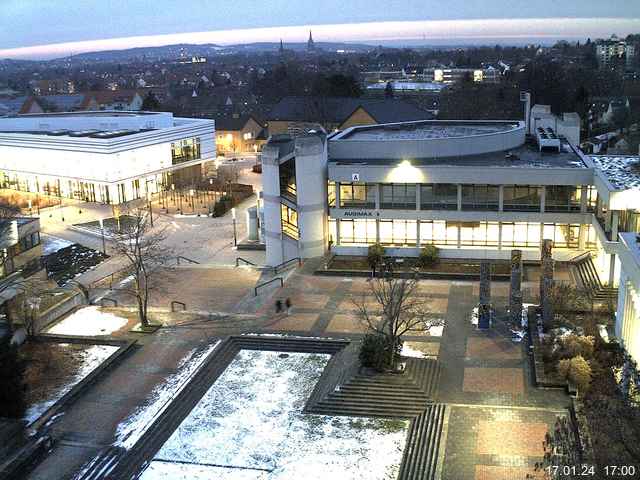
(475,189)
(107,157)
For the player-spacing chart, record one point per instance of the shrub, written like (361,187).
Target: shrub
(374,351)
(428,256)
(12,388)
(375,254)
(577,371)
(576,345)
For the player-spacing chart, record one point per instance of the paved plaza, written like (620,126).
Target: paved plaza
(497,419)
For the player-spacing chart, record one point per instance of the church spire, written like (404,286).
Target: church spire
(281,46)
(310,43)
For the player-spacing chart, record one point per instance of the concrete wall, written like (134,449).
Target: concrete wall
(271,199)
(354,148)
(311,180)
(78,121)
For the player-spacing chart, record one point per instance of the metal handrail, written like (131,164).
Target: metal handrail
(255,290)
(180,257)
(240,259)
(175,302)
(298,259)
(580,257)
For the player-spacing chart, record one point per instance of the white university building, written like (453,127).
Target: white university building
(107,157)
(475,189)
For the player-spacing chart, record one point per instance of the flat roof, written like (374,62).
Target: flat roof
(98,113)
(82,133)
(525,156)
(623,172)
(427,130)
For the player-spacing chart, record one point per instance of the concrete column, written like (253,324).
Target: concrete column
(515,287)
(615,220)
(418,196)
(337,239)
(418,233)
(500,235)
(459,201)
(501,200)
(378,187)
(584,191)
(337,184)
(543,198)
(612,269)
(582,239)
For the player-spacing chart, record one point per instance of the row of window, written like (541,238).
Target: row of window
(185,150)
(289,221)
(444,196)
(26,243)
(465,234)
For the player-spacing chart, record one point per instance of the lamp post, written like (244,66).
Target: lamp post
(150,207)
(193,208)
(104,244)
(235,235)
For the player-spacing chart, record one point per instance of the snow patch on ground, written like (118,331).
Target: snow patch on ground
(251,418)
(89,322)
(51,244)
(131,429)
(89,359)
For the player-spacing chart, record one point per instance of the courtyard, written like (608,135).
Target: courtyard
(246,418)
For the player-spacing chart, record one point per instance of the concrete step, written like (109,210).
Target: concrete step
(365,400)
(363,411)
(423,445)
(352,389)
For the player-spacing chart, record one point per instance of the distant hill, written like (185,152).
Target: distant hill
(169,52)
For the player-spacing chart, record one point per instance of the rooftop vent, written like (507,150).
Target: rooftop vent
(547,139)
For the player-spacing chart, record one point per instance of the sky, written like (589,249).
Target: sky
(50,28)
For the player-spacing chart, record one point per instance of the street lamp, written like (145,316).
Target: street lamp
(104,245)
(193,208)
(150,207)
(235,235)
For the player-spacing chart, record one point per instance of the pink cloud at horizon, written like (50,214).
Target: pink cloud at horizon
(454,30)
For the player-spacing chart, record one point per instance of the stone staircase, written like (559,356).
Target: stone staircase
(388,395)
(420,459)
(587,276)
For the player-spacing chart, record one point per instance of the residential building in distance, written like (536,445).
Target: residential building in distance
(475,189)
(295,115)
(108,157)
(615,52)
(239,134)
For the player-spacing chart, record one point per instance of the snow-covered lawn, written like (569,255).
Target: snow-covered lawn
(55,368)
(51,244)
(88,322)
(250,426)
(131,429)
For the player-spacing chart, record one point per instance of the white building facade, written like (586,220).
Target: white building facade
(476,190)
(108,157)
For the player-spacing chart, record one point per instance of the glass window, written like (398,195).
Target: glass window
(439,196)
(521,234)
(480,197)
(479,234)
(592,198)
(438,232)
(563,235)
(358,195)
(521,198)
(357,232)
(333,231)
(185,150)
(288,187)
(289,220)
(399,233)
(398,196)
(562,198)
(331,194)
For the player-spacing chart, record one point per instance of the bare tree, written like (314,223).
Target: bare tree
(146,255)
(397,311)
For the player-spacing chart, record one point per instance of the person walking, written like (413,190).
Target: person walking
(287,304)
